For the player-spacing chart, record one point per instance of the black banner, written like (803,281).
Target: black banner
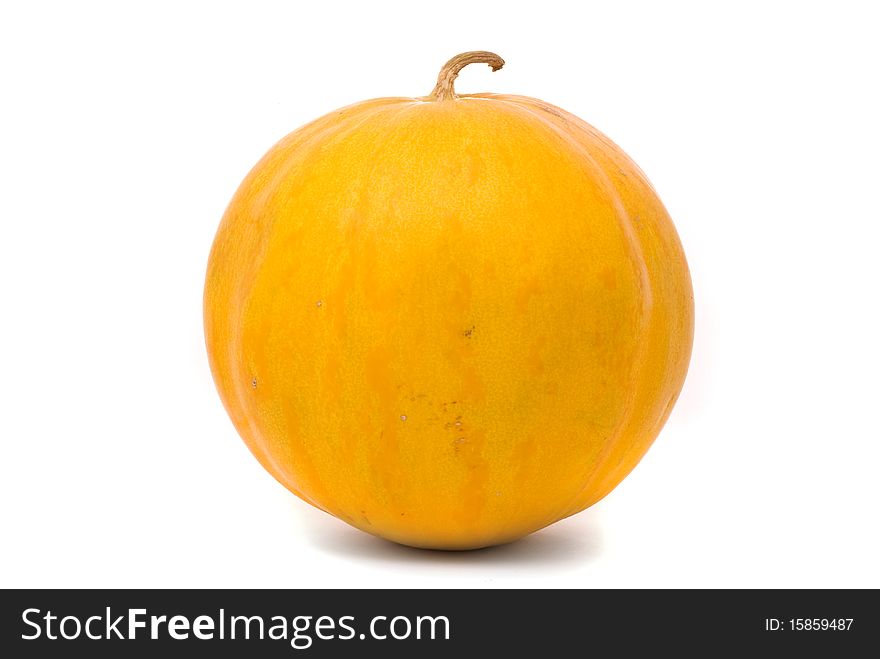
(433,623)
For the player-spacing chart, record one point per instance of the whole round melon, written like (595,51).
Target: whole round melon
(448,320)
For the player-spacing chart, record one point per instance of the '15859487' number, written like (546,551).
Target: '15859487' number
(820,624)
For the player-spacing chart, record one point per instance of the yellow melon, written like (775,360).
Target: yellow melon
(448,320)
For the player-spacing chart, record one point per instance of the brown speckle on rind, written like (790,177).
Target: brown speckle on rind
(551,110)
(458,424)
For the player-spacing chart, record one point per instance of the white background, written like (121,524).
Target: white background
(125,128)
